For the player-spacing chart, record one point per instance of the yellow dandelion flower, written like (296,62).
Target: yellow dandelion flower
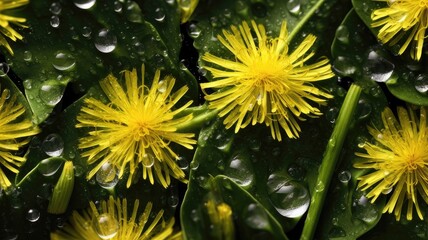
(14,133)
(135,128)
(6,20)
(403,19)
(113,222)
(399,159)
(264,83)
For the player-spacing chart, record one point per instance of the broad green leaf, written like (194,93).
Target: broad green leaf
(69,45)
(357,54)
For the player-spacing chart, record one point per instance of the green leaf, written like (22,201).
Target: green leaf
(357,54)
(87,44)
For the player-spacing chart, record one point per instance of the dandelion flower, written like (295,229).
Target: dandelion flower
(135,128)
(111,221)
(399,160)
(5,22)
(264,83)
(14,132)
(403,19)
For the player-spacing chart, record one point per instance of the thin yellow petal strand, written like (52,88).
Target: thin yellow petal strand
(136,128)
(263,83)
(399,161)
(14,132)
(6,22)
(403,20)
(114,220)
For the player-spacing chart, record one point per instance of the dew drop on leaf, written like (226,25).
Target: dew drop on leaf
(344,176)
(33,215)
(421,83)
(363,209)
(63,61)
(342,34)
(84,4)
(53,145)
(4,69)
(51,93)
(293,6)
(378,68)
(159,15)
(105,41)
(55,21)
(336,232)
(55,8)
(255,217)
(48,167)
(240,170)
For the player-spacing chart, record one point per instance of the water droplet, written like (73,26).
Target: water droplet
(364,210)
(4,69)
(159,14)
(364,108)
(336,232)
(107,176)
(28,84)
(51,93)
(421,83)
(28,56)
(55,8)
(342,34)
(84,4)
(117,6)
(162,86)
(53,145)
(55,21)
(259,9)
(170,2)
(293,6)
(344,66)
(344,176)
(193,30)
(86,31)
(173,201)
(194,165)
(378,68)
(290,198)
(296,171)
(387,191)
(133,12)
(331,114)
(106,226)
(33,215)
(148,160)
(319,187)
(63,61)
(48,167)
(332,142)
(240,170)
(255,217)
(78,170)
(105,41)
(194,215)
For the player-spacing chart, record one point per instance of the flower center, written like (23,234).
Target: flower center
(141,130)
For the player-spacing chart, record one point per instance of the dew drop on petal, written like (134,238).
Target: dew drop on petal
(53,145)
(105,225)
(107,176)
(84,4)
(148,160)
(105,41)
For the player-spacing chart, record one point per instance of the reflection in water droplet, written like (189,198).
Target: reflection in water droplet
(344,176)
(364,210)
(240,170)
(63,61)
(105,225)
(255,217)
(33,215)
(159,15)
(53,145)
(342,34)
(54,21)
(421,83)
(4,69)
(290,198)
(293,6)
(50,94)
(378,68)
(48,167)
(84,4)
(55,8)
(107,176)
(105,41)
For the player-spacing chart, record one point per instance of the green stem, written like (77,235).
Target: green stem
(302,21)
(331,157)
(201,115)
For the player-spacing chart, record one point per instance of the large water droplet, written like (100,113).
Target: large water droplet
(84,4)
(378,68)
(364,210)
(421,83)
(48,167)
(344,176)
(63,61)
(255,217)
(344,66)
(290,198)
(159,14)
(106,226)
(107,176)
(55,8)
(105,41)
(293,6)
(193,30)
(342,34)
(240,170)
(51,93)
(148,160)
(53,145)
(33,215)
(55,21)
